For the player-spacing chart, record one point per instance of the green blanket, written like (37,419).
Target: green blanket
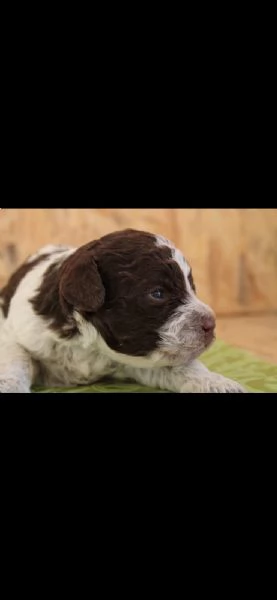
(256,375)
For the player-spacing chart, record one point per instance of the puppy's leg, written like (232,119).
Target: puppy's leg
(198,377)
(16,369)
(190,378)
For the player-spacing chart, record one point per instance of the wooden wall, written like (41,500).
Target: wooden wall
(233,252)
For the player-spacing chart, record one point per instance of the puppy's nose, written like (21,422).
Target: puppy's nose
(208,323)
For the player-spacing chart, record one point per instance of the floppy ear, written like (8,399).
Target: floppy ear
(80,282)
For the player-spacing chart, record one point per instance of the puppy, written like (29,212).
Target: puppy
(124,306)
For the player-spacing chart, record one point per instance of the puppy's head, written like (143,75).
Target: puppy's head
(138,292)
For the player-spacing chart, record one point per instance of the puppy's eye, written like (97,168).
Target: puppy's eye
(158,294)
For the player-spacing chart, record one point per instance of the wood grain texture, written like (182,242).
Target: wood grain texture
(22,231)
(258,334)
(234,256)
(233,252)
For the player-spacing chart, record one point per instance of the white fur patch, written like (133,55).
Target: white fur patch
(49,249)
(179,258)
(181,335)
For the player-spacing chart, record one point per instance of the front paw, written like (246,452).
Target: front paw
(223,385)
(216,384)
(227,386)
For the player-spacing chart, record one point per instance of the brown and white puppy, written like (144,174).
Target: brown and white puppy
(124,306)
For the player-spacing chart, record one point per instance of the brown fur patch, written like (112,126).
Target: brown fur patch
(47,303)
(10,288)
(80,283)
(110,281)
(131,265)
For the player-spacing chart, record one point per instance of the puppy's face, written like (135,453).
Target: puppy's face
(138,292)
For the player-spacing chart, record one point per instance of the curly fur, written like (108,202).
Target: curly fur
(71,316)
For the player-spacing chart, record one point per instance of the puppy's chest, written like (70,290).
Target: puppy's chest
(68,365)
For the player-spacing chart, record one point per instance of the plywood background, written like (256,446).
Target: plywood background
(233,252)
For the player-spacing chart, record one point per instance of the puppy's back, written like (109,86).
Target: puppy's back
(43,254)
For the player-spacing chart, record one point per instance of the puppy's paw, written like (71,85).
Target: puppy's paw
(223,385)
(216,384)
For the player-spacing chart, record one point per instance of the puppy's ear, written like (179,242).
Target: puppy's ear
(80,282)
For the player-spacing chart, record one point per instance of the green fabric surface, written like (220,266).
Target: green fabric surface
(254,374)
